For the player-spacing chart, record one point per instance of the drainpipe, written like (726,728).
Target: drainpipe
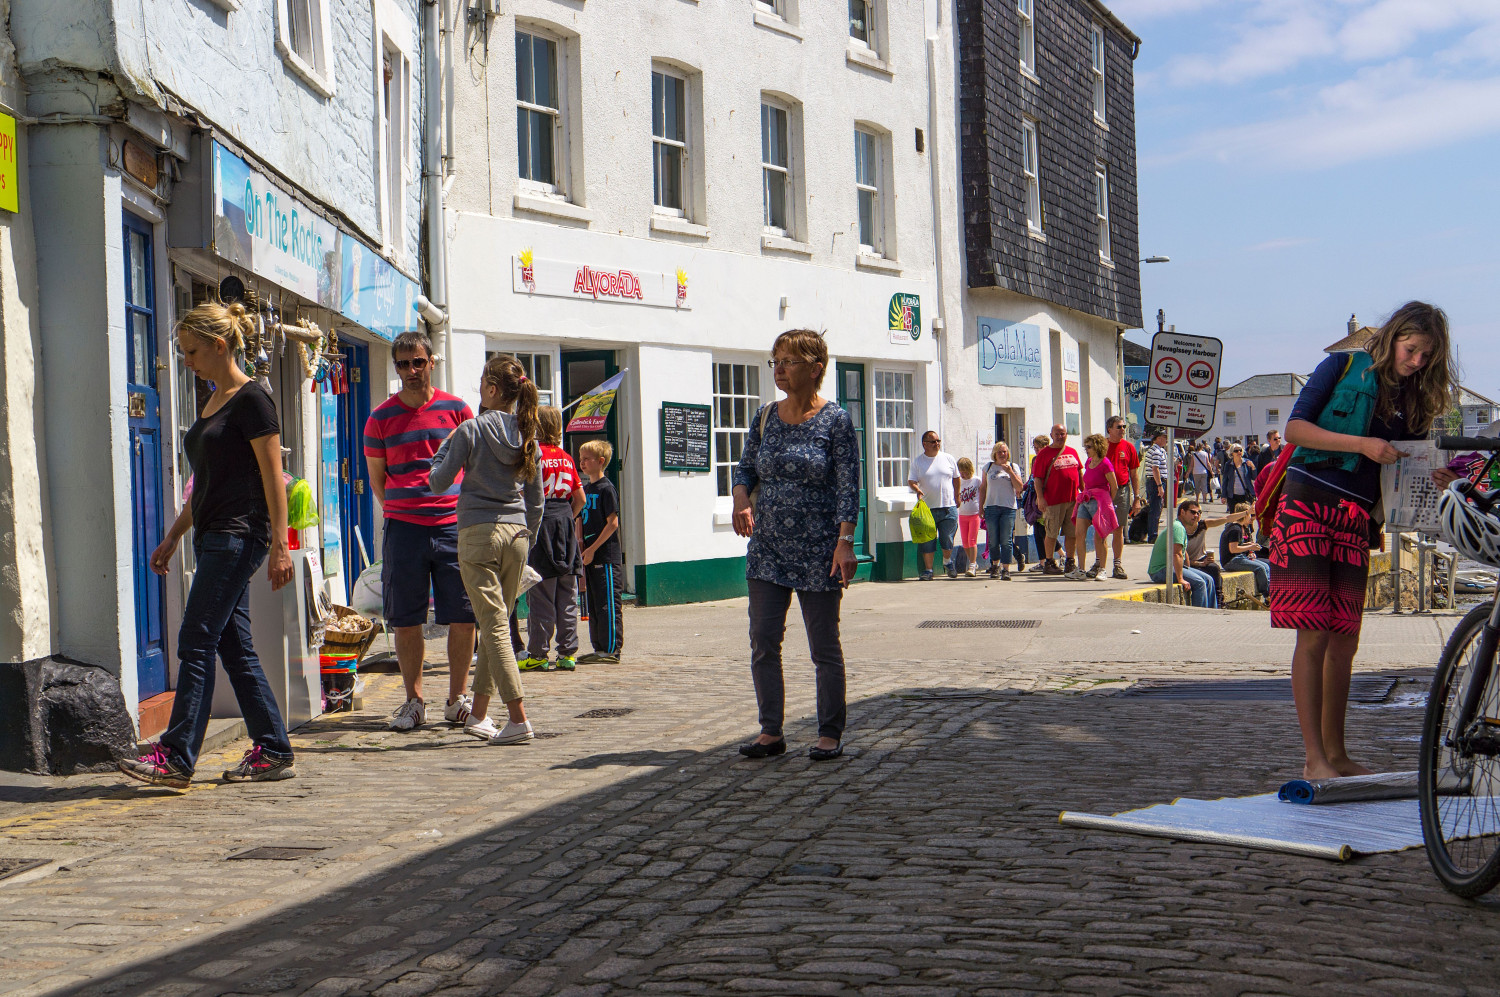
(432,179)
(940,323)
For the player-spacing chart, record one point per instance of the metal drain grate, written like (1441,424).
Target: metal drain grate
(606,712)
(14,867)
(978,624)
(1362,689)
(279,853)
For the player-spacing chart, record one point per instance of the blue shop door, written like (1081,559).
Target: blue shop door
(144,410)
(355,499)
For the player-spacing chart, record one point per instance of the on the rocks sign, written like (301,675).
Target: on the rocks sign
(564,279)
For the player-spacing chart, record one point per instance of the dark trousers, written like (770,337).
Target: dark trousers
(606,583)
(1154,499)
(769,603)
(216,622)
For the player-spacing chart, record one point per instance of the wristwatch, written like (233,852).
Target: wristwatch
(846,539)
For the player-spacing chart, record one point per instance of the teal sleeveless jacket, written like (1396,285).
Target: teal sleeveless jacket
(1350,410)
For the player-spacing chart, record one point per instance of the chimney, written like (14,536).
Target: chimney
(1353,325)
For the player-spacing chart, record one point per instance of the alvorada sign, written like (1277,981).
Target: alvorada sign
(594,281)
(272,234)
(1010,353)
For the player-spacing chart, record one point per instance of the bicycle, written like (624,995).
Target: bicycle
(1458,779)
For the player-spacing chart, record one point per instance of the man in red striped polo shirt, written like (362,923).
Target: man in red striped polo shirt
(420,550)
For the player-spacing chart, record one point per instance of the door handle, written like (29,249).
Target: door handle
(344,469)
(137,446)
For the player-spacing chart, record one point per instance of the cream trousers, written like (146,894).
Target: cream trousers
(490,558)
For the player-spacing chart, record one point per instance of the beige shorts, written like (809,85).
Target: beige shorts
(1122,506)
(1058,519)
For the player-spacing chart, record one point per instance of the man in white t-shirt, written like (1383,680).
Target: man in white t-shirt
(934,477)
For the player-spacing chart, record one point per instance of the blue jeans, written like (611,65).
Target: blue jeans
(999,529)
(1204,595)
(947,524)
(216,621)
(1261,568)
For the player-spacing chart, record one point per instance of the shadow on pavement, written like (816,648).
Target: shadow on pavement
(930,857)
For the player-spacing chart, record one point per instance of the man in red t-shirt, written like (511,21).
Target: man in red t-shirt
(1128,498)
(1058,470)
(420,536)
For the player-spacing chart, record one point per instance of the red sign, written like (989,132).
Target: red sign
(623,284)
(1168,370)
(1200,374)
(1070,392)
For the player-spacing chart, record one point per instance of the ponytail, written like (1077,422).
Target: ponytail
(507,376)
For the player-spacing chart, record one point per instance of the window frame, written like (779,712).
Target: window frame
(787,170)
(877,246)
(395,33)
(1273,417)
(558,188)
(316,71)
(871,40)
(1229,418)
(1101,212)
(684,149)
(724,469)
(1096,69)
(1031,172)
(885,404)
(1026,11)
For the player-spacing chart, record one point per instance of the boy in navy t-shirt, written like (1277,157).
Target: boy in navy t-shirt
(603,565)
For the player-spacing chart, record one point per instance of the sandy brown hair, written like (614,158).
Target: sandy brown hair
(804,344)
(505,374)
(549,420)
(1097,444)
(1428,394)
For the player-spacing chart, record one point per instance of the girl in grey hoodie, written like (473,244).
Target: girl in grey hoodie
(499,510)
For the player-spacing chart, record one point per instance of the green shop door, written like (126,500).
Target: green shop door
(851,398)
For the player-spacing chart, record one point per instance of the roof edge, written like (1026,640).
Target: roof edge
(1114,21)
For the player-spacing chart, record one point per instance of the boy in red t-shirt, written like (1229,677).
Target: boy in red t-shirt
(1058,471)
(552,603)
(1128,498)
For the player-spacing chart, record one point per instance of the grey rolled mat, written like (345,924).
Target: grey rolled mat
(1351,789)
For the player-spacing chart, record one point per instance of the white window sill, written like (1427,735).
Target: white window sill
(1101,122)
(229,5)
(893,500)
(860,55)
(1105,261)
(880,264)
(1030,75)
(781,244)
(321,83)
(673,225)
(1037,235)
(780,25)
(553,208)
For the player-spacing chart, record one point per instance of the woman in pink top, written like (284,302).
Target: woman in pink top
(1096,505)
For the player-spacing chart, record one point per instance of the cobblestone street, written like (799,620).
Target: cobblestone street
(639,853)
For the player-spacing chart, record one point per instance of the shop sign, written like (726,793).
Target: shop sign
(329,514)
(1070,357)
(373,293)
(593,408)
(594,281)
(905,315)
(272,234)
(1070,392)
(1010,353)
(1135,398)
(10,190)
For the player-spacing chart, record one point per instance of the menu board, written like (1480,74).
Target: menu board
(685,434)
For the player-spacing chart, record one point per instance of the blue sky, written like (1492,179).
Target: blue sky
(1304,159)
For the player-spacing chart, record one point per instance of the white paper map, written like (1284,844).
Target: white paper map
(1411,497)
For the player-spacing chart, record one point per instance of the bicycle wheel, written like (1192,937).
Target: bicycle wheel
(1459,790)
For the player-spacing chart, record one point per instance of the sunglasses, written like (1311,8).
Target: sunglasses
(931,439)
(415,363)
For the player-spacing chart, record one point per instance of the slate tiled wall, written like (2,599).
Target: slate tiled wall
(994,97)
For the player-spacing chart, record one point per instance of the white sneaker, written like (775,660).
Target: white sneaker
(514,733)
(484,728)
(972,571)
(411,715)
(1076,575)
(458,711)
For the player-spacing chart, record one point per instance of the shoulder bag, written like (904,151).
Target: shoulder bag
(765,413)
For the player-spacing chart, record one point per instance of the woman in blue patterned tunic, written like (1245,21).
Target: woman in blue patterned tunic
(802,453)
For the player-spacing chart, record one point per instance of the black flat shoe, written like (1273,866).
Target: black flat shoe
(818,754)
(757,750)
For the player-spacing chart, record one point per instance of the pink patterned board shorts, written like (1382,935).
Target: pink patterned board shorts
(1320,561)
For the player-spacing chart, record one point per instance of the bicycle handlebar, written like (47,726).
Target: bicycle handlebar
(1484,444)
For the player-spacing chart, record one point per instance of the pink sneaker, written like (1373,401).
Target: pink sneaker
(156,768)
(257,766)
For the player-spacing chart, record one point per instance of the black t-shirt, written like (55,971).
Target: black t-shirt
(1233,533)
(228,496)
(600,501)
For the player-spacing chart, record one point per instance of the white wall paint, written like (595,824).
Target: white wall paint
(1250,416)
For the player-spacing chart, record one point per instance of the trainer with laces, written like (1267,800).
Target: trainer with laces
(420,547)
(237,512)
(499,511)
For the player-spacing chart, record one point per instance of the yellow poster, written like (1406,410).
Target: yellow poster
(10,190)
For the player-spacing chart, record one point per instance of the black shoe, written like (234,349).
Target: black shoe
(757,750)
(818,754)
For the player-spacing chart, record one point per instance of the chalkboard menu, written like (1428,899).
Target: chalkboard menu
(685,434)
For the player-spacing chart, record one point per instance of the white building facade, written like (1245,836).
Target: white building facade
(661,189)
(1247,411)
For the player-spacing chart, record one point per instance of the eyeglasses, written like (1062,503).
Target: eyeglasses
(415,363)
(931,439)
(773,364)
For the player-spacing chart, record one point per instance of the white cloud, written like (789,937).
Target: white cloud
(1275,45)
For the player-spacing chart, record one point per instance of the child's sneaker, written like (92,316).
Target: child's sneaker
(972,571)
(567,663)
(514,733)
(156,768)
(457,712)
(484,728)
(530,664)
(257,766)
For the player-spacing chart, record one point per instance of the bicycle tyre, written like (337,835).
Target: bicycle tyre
(1468,866)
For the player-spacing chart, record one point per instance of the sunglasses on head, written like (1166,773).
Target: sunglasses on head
(415,363)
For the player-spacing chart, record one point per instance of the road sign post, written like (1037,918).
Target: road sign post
(1182,393)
